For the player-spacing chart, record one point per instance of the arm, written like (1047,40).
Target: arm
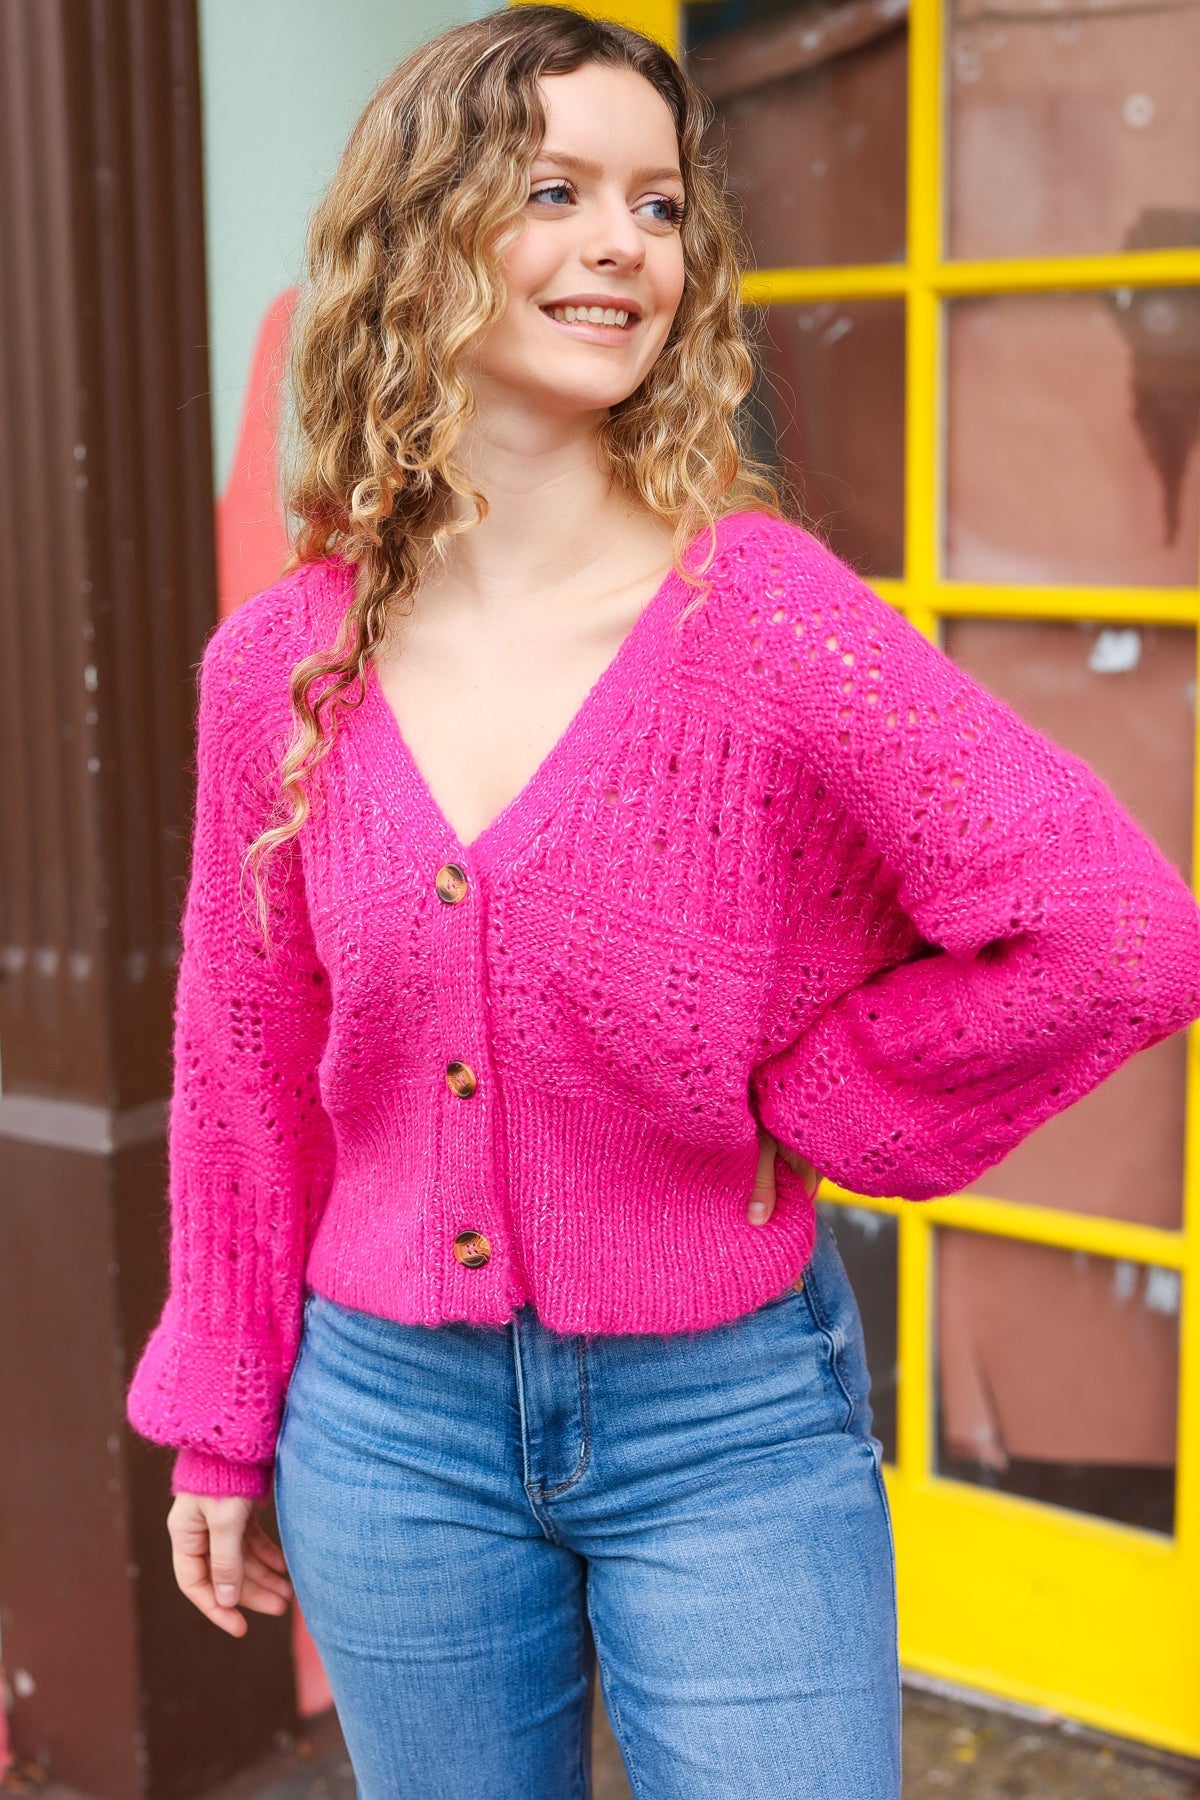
(1055,939)
(249,1145)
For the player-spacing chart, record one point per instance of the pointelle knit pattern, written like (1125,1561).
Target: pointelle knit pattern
(787,863)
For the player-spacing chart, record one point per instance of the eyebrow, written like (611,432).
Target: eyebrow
(582,167)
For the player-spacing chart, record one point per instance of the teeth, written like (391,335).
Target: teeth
(588,315)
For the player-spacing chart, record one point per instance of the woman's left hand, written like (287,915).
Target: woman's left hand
(762,1199)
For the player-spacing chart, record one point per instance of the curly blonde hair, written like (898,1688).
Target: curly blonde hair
(403,274)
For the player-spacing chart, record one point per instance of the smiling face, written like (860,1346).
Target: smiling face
(601,237)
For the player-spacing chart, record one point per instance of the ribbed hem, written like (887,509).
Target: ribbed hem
(196,1472)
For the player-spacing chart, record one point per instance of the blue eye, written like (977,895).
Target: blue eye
(675,210)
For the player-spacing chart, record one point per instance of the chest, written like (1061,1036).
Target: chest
(551,848)
(481,710)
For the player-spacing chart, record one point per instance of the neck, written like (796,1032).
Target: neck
(553,514)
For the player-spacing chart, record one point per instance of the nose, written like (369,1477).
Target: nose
(614,239)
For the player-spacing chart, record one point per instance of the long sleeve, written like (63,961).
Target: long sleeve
(249,1145)
(1050,939)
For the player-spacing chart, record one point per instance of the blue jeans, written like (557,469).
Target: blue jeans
(471,1515)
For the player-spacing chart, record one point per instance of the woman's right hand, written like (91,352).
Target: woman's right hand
(224,1559)
(762,1198)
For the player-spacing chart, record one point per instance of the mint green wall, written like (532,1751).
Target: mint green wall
(284,81)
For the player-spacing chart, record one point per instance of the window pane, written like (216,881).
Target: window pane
(867,1242)
(1073,438)
(1056,1376)
(1123,698)
(830,416)
(813,110)
(1072,129)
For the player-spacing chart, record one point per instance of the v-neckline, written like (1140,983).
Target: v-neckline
(627,676)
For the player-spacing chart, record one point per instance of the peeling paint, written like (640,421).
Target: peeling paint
(1162,1291)
(865,1220)
(1124,1280)
(1116,652)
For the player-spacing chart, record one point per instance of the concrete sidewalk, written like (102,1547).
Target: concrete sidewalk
(952,1751)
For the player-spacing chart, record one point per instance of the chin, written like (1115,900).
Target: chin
(564,398)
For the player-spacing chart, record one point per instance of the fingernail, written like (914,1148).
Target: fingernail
(757,1210)
(226,1595)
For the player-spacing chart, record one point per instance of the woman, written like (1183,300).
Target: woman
(606,834)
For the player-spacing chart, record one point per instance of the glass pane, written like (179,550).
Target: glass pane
(1123,698)
(1056,1376)
(1072,129)
(867,1242)
(829,409)
(1073,438)
(813,110)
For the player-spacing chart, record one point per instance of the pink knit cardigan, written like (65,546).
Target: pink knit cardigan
(787,861)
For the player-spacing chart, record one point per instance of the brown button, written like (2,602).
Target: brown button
(797,1286)
(460,1079)
(451,883)
(472,1249)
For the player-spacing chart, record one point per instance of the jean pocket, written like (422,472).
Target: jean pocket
(836,1314)
(789,1296)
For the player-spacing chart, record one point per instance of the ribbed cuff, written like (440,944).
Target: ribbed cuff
(196,1472)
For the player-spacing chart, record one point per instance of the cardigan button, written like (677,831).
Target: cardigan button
(451,883)
(460,1079)
(472,1249)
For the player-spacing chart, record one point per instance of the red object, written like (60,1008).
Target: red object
(252,544)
